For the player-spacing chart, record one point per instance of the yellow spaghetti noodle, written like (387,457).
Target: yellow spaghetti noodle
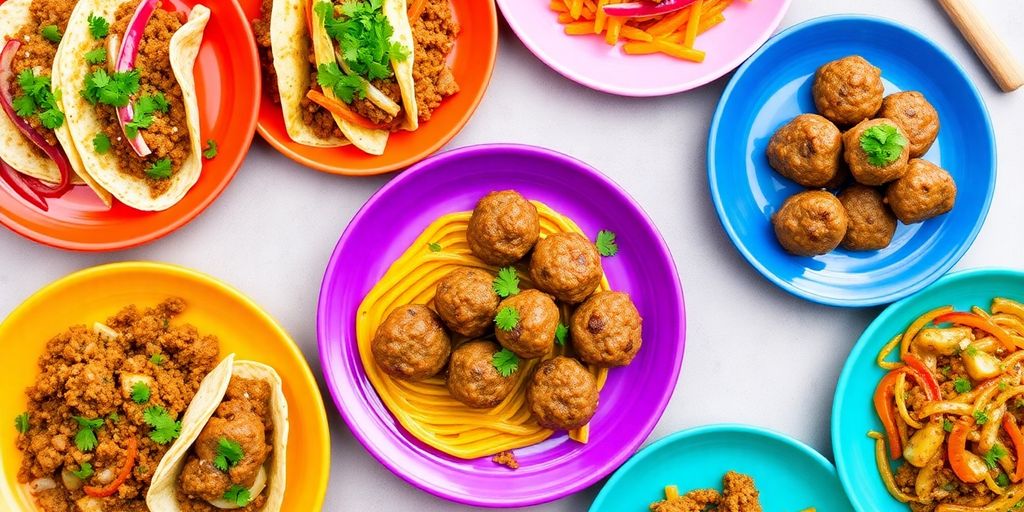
(425,408)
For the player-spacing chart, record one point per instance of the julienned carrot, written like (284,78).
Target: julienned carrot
(558,6)
(670,23)
(661,46)
(565,18)
(705,25)
(576,9)
(340,109)
(635,34)
(416,9)
(579,28)
(693,24)
(600,17)
(614,26)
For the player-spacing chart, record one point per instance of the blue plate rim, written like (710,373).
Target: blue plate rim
(864,341)
(694,432)
(788,286)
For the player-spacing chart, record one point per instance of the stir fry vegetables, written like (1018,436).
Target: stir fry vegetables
(951,408)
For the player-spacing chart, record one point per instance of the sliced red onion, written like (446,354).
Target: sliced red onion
(55,153)
(648,8)
(16,181)
(126,62)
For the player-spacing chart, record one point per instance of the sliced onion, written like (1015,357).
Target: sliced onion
(126,62)
(645,8)
(16,181)
(41,484)
(257,487)
(55,153)
(106,476)
(71,482)
(375,95)
(113,49)
(105,331)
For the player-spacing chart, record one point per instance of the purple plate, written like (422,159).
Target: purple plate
(633,398)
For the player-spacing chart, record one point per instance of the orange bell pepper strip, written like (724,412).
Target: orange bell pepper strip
(886,409)
(978,322)
(122,476)
(923,376)
(957,454)
(1013,431)
(340,109)
(415,10)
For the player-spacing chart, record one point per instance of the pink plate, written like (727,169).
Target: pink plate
(590,61)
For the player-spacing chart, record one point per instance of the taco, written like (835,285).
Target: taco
(354,71)
(34,136)
(130,98)
(232,449)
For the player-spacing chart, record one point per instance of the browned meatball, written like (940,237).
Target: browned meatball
(534,333)
(862,164)
(606,329)
(871,224)
(503,228)
(466,301)
(810,223)
(848,91)
(926,191)
(916,116)
(411,343)
(807,150)
(472,377)
(562,394)
(566,265)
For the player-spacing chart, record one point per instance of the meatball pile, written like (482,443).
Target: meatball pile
(880,150)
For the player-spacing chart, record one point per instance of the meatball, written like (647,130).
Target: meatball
(848,91)
(562,394)
(503,228)
(871,225)
(466,301)
(925,191)
(411,343)
(862,165)
(807,150)
(606,329)
(566,265)
(534,332)
(918,118)
(810,223)
(472,377)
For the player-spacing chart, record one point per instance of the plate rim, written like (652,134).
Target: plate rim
(335,263)
(838,301)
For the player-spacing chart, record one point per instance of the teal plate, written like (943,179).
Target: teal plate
(790,475)
(853,414)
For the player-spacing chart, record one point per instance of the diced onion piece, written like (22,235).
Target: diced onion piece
(257,487)
(41,484)
(90,504)
(129,380)
(105,476)
(71,482)
(104,331)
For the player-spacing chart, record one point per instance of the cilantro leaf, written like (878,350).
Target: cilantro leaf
(98,26)
(97,56)
(50,33)
(165,428)
(21,422)
(24,106)
(51,118)
(140,392)
(980,417)
(211,149)
(506,362)
(993,455)
(507,318)
(605,243)
(883,144)
(114,417)
(101,143)
(38,99)
(561,333)
(1002,480)
(238,495)
(947,425)
(85,439)
(157,359)
(160,170)
(84,471)
(228,455)
(434,247)
(114,90)
(507,282)
(346,87)
(962,385)
(363,35)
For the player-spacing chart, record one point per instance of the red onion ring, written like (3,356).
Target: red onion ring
(15,180)
(641,9)
(126,62)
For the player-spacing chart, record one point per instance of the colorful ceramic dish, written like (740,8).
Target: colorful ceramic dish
(774,86)
(187,128)
(375,130)
(854,413)
(239,365)
(788,474)
(632,398)
(590,61)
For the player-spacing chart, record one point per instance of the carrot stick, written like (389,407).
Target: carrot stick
(670,23)
(416,9)
(693,23)
(340,109)
(600,17)
(576,9)
(661,46)
(614,26)
(558,6)
(635,34)
(565,18)
(579,28)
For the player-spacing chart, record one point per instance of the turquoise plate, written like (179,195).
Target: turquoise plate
(853,414)
(790,475)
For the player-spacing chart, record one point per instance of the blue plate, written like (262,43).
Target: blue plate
(790,475)
(774,86)
(853,414)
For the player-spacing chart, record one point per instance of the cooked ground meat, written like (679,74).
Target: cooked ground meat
(374,114)
(738,495)
(315,116)
(434,32)
(85,374)
(261,29)
(243,417)
(507,459)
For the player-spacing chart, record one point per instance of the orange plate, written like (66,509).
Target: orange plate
(214,308)
(228,86)
(472,62)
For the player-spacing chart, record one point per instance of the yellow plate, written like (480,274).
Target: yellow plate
(214,308)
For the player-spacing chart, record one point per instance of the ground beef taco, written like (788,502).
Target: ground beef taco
(232,450)
(130,98)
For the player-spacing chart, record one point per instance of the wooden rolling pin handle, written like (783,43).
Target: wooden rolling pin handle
(990,49)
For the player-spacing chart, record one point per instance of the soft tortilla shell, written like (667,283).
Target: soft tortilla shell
(396,12)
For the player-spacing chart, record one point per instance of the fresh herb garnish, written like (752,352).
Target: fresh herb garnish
(962,385)
(883,144)
(507,282)
(238,495)
(140,392)
(98,26)
(345,87)
(97,56)
(157,359)
(561,333)
(115,90)
(507,318)
(84,471)
(21,422)
(993,455)
(506,362)
(605,243)
(363,34)
(971,350)
(1003,385)
(980,417)
(211,149)
(114,417)
(947,425)
(101,143)
(229,453)
(434,247)
(85,439)
(144,113)
(165,429)
(160,170)
(1002,480)
(38,99)
(51,33)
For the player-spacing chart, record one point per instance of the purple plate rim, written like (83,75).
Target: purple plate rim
(610,464)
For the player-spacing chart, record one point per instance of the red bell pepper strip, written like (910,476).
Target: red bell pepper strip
(648,8)
(886,409)
(978,322)
(957,453)
(122,476)
(924,376)
(1013,431)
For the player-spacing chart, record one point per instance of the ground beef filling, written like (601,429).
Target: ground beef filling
(37,52)
(315,116)
(435,34)
(245,418)
(85,374)
(168,136)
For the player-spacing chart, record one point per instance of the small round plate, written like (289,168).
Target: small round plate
(591,62)
(774,86)
(634,397)
(788,474)
(214,308)
(228,86)
(853,414)
(472,61)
